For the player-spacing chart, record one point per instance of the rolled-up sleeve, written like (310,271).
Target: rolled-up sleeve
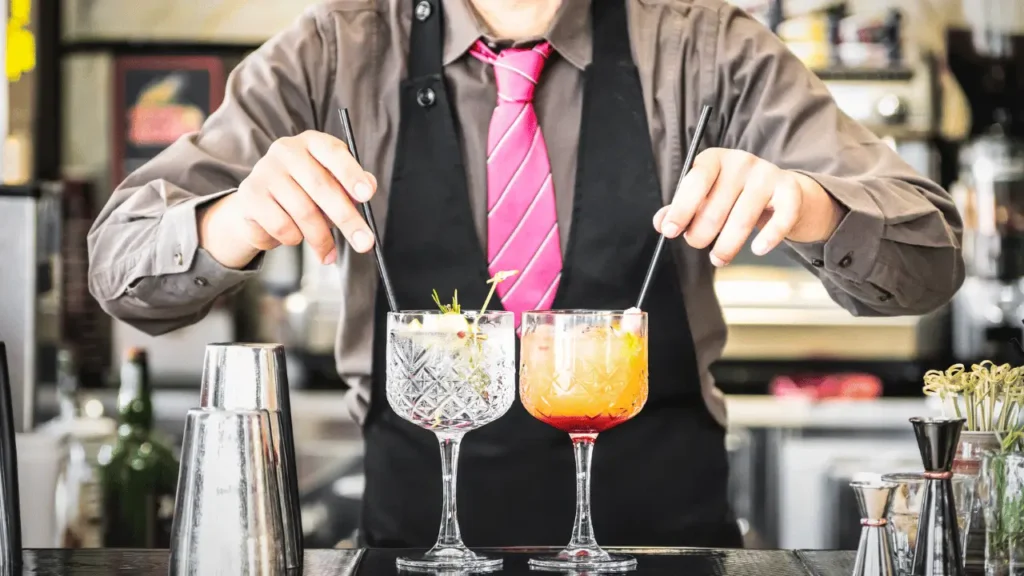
(897,248)
(145,264)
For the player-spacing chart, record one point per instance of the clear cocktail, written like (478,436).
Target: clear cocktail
(450,373)
(583,372)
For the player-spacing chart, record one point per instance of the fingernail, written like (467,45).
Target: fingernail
(669,229)
(759,247)
(331,256)
(363,191)
(717,262)
(361,241)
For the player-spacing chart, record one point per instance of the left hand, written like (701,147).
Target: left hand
(728,193)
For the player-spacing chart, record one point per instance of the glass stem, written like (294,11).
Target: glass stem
(449,535)
(583,530)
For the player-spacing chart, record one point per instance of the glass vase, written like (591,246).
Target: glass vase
(1002,496)
(968,462)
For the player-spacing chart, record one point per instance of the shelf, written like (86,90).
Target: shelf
(865,74)
(148,47)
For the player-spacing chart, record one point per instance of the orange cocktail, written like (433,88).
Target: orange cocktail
(584,377)
(583,372)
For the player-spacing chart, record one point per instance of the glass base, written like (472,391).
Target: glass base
(583,559)
(459,559)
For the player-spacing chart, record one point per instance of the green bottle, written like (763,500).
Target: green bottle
(140,473)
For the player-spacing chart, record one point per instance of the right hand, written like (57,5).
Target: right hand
(295,192)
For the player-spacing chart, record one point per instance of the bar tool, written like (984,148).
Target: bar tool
(937,551)
(252,377)
(10,499)
(874,553)
(227,517)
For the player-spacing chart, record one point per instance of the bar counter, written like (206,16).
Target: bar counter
(379,562)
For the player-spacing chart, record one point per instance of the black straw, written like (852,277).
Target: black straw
(378,250)
(691,155)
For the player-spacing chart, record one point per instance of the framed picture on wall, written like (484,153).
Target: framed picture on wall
(157,99)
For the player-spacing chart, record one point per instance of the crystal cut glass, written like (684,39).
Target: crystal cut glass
(450,374)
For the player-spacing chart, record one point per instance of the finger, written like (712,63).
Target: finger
(785,203)
(333,155)
(748,210)
(254,235)
(712,213)
(659,216)
(692,191)
(272,218)
(322,187)
(306,215)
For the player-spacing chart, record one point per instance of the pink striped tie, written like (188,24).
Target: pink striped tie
(522,226)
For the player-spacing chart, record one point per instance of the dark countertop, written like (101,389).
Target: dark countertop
(379,562)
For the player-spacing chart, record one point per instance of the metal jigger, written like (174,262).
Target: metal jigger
(253,377)
(874,553)
(937,552)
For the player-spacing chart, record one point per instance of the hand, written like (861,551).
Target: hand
(302,185)
(729,192)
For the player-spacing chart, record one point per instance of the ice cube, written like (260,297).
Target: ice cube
(632,320)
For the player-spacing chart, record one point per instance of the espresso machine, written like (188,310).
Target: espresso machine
(987,58)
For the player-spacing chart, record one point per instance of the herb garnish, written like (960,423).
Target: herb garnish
(479,379)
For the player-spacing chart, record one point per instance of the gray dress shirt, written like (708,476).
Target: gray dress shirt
(896,251)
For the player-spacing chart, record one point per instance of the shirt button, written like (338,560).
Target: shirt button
(178,260)
(201,282)
(425,97)
(846,261)
(817,262)
(423,10)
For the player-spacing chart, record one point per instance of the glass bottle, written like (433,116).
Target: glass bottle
(68,385)
(140,473)
(79,494)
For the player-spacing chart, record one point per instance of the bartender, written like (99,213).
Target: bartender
(545,136)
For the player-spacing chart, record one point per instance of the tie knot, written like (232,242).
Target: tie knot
(516,70)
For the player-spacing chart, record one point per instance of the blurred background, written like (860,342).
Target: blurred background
(96,87)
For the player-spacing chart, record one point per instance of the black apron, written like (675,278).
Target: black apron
(659,479)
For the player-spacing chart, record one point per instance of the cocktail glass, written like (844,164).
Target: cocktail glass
(583,372)
(450,373)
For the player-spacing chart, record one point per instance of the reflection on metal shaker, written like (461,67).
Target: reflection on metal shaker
(227,517)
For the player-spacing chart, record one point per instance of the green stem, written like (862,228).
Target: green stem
(991,408)
(1005,412)
(956,408)
(969,400)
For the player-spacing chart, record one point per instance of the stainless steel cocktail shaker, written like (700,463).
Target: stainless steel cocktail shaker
(243,419)
(10,504)
(227,517)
